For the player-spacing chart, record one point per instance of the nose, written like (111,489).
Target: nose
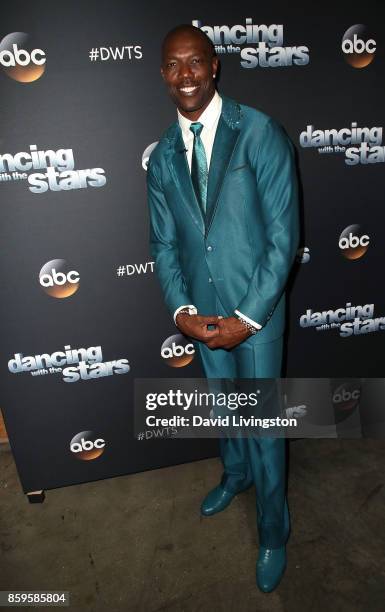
(185,71)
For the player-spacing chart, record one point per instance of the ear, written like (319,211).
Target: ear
(162,72)
(214,64)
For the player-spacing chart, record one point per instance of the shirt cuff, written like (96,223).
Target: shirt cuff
(185,306)
(256,325)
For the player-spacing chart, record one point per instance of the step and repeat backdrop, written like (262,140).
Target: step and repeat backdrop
(82,316)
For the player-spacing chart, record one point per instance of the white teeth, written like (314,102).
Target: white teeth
(188,89)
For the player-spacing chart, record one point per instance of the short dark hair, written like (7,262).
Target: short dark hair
(188,27)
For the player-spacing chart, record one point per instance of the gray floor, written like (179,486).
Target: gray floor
(138,542)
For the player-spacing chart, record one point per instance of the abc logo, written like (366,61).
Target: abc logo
(345,400)
(358,48)
(345,396)
(58,280)
(84,446)
(177,351)
(20,60)
(146,154)
(353,242)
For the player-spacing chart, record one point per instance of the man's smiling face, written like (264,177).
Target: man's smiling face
(187,68)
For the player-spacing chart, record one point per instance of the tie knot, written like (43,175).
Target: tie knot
(196,128)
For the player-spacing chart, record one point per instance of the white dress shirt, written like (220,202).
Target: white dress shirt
(209,119)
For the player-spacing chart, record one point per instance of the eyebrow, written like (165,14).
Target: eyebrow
(168,57)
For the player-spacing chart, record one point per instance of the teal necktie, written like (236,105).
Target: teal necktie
(199,172)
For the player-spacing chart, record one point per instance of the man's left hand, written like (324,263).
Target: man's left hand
(231,333)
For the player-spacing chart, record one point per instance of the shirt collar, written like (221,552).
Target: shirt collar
(207,118)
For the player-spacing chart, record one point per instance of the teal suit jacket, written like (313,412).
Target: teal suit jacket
(245,246)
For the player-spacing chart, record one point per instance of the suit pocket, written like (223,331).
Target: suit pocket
(240,167)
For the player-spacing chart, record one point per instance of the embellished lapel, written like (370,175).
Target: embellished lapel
(225,140)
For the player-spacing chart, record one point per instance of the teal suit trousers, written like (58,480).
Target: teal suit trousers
(253,460)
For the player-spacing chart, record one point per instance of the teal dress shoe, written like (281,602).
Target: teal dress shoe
(271,565)
(217,500)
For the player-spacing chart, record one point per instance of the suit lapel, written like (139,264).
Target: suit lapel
(182,177)
(223,148)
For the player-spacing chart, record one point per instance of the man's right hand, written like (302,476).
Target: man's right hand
(195,326)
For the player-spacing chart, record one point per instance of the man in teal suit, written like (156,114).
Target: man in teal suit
(222,195)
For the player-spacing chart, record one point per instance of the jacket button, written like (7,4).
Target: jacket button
(210,279)
(209,248)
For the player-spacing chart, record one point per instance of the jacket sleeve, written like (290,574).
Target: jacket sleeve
(164,244)
(278,197)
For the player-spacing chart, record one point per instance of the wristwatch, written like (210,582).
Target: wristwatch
(191,310)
